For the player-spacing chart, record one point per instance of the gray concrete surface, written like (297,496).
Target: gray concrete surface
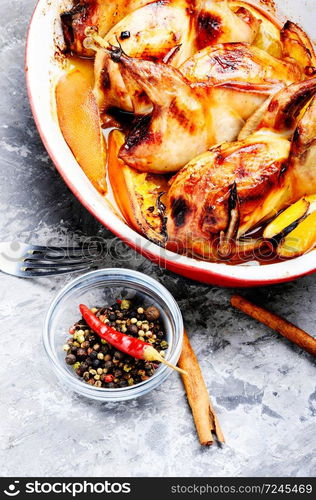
(262,387)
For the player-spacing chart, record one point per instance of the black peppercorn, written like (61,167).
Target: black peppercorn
(99,363)
(84,366)
(71,359)
(133,329)
(124,35)
(119,355)
(81,353)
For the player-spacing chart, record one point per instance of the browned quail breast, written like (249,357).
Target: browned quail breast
(302,159)
(297,46)
(221,95)
(159,32)
(260,168)
(186,119)
(216,22)
(102,14)
(239,62)
(199,196)
(167,31)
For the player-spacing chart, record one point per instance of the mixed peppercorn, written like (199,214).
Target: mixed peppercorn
(102,365)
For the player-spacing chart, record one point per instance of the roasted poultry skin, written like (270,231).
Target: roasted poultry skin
(102,14)
(167,31)
(297,45)
(216,22)
(262,173)
(220,94)
(159,32)
(197,106)
(302,160)
(239,62)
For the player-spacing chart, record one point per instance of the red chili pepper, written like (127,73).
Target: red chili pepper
(134,347)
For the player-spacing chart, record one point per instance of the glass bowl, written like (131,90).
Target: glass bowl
(100,288)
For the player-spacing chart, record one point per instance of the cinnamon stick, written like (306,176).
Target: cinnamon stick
(280,325)
(204,416)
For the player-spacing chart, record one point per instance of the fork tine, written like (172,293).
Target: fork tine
(48,248)
(57,258)
(53,265)
(39,274)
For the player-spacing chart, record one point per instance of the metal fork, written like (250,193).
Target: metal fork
(30,261)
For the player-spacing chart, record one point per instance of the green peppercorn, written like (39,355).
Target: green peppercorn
(81,338)
(100,364)
(125,305)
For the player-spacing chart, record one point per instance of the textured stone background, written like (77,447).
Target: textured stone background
(262,387)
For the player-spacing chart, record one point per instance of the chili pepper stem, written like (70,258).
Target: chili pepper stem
(150,354)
